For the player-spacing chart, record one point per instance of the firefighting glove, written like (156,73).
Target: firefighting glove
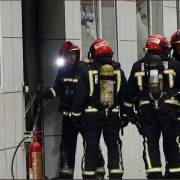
(76,121)
(124,121)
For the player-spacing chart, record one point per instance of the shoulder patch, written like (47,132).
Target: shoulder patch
(85,60)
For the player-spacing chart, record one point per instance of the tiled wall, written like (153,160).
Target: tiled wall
(11,96)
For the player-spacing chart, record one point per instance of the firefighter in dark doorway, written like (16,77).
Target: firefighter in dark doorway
(100,89)
(66,80)
(152,87)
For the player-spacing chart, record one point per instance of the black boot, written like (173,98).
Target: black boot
(167,175)
(100,175)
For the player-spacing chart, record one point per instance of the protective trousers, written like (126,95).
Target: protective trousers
(167,173)
(68,151)
(154,123)
(92,133)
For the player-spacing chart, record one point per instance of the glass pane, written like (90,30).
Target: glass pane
(88,26)
(157,17)
(142,27)
(109,25)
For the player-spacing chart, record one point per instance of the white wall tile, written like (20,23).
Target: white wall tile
(17,19)
(2,123)
(18,64)
(68,19)
(122,56)
(18,114)
(127,20)
(121,14)
(3,165)
(166,21)
(9,156)
(76,20)
(52,156)
(9,120)
(21,163)
(1,61)
(133,53)
(172,4)
(133,29)
(8,69)
(165,3)
(6,10)
(128,58)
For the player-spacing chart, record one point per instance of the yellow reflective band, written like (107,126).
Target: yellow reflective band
(139,79)
(157,169)
(67,79)
(53,92)
(179,118)
(118,79)
(76,114)
(140,73)
(91,110)
(171,81)
(70,113)
(115,171)
(147,154)
(168,71)
(90,173)
(177,140)
(100,169)
(142,103)
(127,104)
(70,80)
(95,72)
(120,157)
(116,109)
(174,170)
(65,113)
(172,101)
(67,171)
(75,80)
(91,83)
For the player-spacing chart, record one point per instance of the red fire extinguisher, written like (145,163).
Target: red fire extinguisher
(35,166)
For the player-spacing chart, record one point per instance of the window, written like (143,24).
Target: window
(109,25)
(142,27)
(88,26)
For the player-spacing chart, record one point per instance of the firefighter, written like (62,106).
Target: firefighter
(175,45)
(99,90)
(66,80)
(152,88)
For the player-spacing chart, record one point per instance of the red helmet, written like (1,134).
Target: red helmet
(100,46)
(158,42)
(68,46)
(175,38)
